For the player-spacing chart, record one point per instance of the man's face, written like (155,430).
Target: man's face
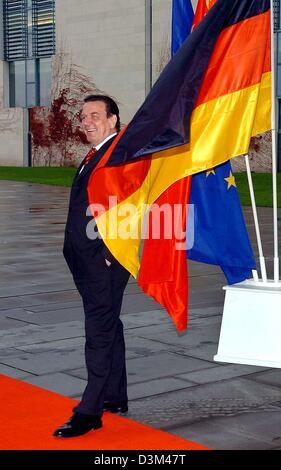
(95,122)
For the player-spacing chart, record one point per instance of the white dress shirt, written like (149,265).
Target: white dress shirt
(97,147)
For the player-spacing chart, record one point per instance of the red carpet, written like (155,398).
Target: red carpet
(30,414)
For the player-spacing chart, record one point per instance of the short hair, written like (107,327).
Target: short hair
(110,105)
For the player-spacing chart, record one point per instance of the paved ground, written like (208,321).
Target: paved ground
(173,382)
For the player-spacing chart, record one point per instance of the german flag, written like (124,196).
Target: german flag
(212,97)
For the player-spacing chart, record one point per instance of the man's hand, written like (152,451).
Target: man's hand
(108,263)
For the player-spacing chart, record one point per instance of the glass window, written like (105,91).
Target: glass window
(15,29)
(278,71)
(43,28)
(279,152)
(17,84)
(29,28)
(279,116)
(30,71)
(45,81)
(278,48)
(30,95)
(32,83)
(279,81)
(29,40)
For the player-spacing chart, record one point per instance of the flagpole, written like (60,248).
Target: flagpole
(274,152)
(256,221)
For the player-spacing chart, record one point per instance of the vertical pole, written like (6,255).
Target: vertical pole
(148,46)
(256,221)
(274,150)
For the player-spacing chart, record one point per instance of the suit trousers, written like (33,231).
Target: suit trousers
(101,288)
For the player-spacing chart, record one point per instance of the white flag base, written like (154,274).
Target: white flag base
(251,324)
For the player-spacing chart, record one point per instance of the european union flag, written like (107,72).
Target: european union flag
(220,233)
(182,18)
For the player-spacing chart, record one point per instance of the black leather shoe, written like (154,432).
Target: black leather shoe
(78,425)
(120,408)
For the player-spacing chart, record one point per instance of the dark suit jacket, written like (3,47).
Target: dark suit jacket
(76,242)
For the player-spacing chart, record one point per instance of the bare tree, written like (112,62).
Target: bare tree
(56,132)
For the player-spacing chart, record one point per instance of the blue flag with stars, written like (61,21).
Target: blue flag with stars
(220,233)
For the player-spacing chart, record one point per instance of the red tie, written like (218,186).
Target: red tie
(90,155)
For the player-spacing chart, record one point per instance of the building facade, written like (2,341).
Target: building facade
(27,46)
(119,46)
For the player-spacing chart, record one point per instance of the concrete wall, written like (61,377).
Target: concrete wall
(11,132)
(161,35)
(107,39)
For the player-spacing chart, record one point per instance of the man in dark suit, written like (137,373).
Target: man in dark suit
(100,280)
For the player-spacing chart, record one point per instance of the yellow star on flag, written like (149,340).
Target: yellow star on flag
(230,180)
(210,172)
